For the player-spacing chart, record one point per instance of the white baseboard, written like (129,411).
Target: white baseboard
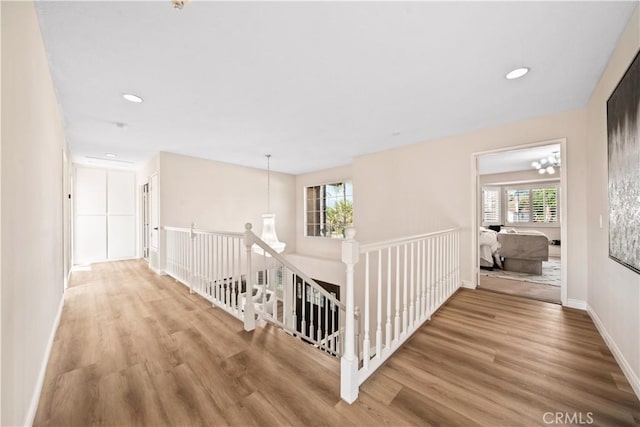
(157,271)
(622,362)
(576,303)
(35,398)
(468,284)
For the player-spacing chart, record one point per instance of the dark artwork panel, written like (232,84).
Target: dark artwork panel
(623,133)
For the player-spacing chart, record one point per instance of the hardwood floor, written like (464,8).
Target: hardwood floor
(522,289)
(136,349)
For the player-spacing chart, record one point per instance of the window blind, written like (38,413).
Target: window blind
(491,206)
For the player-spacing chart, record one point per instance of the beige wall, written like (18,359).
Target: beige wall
(614,291)
(428,186)
(32,145)
(223,197)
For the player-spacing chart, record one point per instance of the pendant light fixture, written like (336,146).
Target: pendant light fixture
(269,235)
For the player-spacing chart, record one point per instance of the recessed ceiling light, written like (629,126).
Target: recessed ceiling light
(110,155)
(132,98)
(517,73)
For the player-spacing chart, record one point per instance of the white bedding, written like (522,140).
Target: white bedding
(489,247)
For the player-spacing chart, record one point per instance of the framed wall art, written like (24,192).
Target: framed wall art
(623,148)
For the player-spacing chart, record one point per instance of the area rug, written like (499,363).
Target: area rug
(551,274)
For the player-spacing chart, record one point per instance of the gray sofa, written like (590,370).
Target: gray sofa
(524,251)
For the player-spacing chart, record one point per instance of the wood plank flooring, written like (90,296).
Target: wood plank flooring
(134,348)
(519,288)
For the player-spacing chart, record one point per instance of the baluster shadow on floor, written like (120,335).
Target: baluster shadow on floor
(134,348)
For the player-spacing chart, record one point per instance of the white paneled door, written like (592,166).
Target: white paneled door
(104,215)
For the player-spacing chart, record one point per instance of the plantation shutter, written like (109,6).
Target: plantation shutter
(491,206)
(544,204)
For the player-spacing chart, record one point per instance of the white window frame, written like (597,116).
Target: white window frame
(322,208)
(531,188)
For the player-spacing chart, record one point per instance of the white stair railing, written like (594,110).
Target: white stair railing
(288,298)
(221,266)
(212,264)
(405,282)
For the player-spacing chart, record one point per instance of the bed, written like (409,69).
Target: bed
(489,248)
(521,251)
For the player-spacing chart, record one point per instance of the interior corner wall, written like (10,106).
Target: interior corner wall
(223,197)
(614,291)
(32,210)
(427,187)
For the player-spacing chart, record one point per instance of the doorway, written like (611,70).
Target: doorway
(519,220)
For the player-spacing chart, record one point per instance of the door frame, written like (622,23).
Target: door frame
(564,208)
(145,221)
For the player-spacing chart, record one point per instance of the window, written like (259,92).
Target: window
(329,209)
(533,205)
(491,206)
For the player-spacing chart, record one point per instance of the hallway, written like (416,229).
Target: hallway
(134,348)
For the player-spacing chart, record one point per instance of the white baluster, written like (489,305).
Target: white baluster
(423,313)
(418,279)
(191,257)
(411,299)
(326,323)
(304,308)
(366,342)
(440,270)
(388,325)
(397,318)
(429,277)
(319,314)
(379,308)
(405,292)
(294,303)
(458,281)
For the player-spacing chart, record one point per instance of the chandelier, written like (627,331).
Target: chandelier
(269,235)
(547,164)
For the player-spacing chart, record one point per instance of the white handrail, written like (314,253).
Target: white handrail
(201,231)
(369,247)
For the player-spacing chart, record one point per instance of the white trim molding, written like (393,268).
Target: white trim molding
(35,399)
(577,304)
(564,237)
(157,271)
(617,354)
(468,284)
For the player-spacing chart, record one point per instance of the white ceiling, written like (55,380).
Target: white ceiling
(314,83)
(514,160)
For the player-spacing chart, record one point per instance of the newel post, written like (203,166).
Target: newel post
(249,309)
(349,362)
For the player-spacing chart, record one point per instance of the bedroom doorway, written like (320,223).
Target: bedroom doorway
(519,217)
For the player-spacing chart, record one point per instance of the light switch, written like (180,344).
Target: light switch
(600,221)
